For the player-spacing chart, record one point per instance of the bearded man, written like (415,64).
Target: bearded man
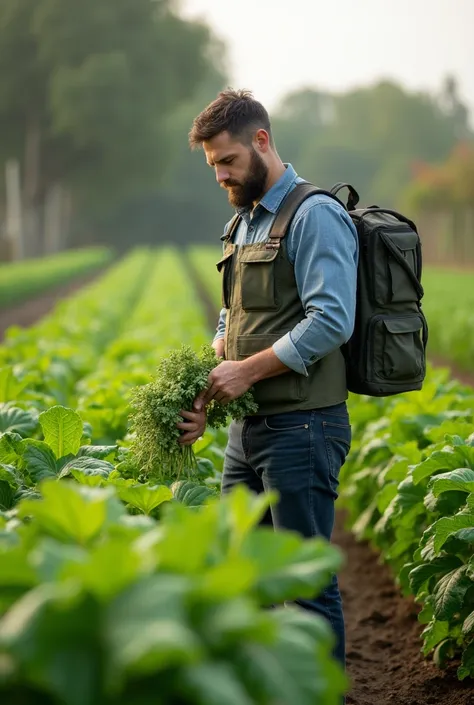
(288,307)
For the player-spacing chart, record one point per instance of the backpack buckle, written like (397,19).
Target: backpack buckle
(273,243)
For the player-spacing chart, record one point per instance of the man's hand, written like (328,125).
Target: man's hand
(219,347)
(194,427)
(229,380)
(226,382)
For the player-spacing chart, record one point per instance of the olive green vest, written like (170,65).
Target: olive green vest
(261,297)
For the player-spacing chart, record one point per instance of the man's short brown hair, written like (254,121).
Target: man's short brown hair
(233,111)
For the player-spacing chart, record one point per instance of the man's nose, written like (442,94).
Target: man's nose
(222,174)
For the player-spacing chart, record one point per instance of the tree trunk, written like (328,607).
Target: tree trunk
(67,211)
(53,220)
(31,188)
(14,225)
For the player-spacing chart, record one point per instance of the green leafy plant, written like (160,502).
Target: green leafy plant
(408,488)
(156,407)
(103,608)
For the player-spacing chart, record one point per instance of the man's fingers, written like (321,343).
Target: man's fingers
(206,397)
(187,425)
(191,415)
(188,438)
(199,402)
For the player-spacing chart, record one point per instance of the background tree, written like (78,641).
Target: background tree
(85,92)
(369,136)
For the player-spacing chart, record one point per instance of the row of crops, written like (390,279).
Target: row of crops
(114,589)
(118,588)
(20,281)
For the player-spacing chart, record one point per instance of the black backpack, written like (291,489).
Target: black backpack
(386,353)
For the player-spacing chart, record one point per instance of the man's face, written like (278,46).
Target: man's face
(239,169)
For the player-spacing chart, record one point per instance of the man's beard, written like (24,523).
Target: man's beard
(243,195)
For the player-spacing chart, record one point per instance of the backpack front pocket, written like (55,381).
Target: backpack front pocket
(397,348)
(395,265)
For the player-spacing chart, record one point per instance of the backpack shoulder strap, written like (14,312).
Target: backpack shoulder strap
(288,208)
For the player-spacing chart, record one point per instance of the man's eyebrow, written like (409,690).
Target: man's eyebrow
(225,158)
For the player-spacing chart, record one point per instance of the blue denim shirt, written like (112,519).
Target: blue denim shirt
(323,247)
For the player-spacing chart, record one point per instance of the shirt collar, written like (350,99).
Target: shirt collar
(274,196)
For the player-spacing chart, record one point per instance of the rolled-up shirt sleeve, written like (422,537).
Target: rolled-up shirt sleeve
(220,330)
(323,246)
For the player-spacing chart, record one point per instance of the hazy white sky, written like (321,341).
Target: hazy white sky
(279,45)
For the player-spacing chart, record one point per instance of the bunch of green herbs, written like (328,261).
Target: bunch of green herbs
(156,407)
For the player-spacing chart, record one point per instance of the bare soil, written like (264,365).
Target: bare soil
(384,661)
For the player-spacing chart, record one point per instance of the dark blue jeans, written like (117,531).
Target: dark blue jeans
(299,454)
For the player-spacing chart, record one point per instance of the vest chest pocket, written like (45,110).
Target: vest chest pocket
(258,279)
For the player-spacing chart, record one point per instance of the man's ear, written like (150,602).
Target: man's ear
(262,140)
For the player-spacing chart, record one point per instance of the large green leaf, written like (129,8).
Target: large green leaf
(185,539)
(6,495)
(146,629)
(466,535)
(446,504)
(445,527)
(53,631)
(108,568)
(50,558)
(16,569)
(87,465)
(9,447)
(10,387)
(215,684)
(450,459)
(459,479)
(466,669)
(230,578)
(9,475)
(15,420)
(298,667)
(68,512)
(62,429)
(433,634)
(145,497)
(449,593)
(191,494)
(100,452)
(288,567)
(89,477)
(38,459)
(419,575)
(236,620)
(244,510)
(409,495)
(468,625)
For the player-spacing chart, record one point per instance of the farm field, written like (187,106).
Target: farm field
(129,551)
(20,281)
(449,308)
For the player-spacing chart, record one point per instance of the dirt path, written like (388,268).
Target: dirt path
(383,638)
(28,312)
